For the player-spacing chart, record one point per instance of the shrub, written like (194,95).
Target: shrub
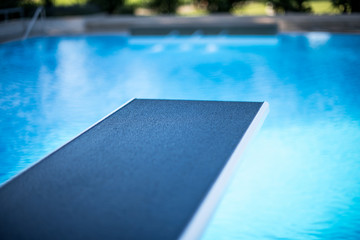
(165,6)
(221,5)
(110,6)
(48,3)
(283,6)
(9,3)
(347,6)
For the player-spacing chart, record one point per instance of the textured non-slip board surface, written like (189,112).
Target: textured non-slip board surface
(141,173)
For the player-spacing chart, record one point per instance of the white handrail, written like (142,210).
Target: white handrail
(32,22)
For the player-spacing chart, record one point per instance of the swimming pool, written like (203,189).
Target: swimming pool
(300,178)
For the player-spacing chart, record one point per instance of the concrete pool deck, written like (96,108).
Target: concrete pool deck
(162,25)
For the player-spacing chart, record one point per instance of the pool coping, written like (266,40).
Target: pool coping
(163,25)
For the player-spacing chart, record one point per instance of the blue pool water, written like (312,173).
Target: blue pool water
(300,177)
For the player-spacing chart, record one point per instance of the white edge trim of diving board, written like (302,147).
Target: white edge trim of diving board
(203,214)
(52,152)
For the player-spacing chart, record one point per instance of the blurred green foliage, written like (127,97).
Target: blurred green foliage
(109,6)
(285,6)
(165,6)
(9,3)
(185,7)
(347,6)
(222,5)
(48,3)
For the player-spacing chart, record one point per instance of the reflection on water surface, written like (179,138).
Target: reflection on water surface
(300,178)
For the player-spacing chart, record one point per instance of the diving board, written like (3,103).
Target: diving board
(153,169)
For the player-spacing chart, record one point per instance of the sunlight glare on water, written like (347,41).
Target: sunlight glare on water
(300,176)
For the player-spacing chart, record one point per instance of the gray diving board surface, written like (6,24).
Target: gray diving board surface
(153,169)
